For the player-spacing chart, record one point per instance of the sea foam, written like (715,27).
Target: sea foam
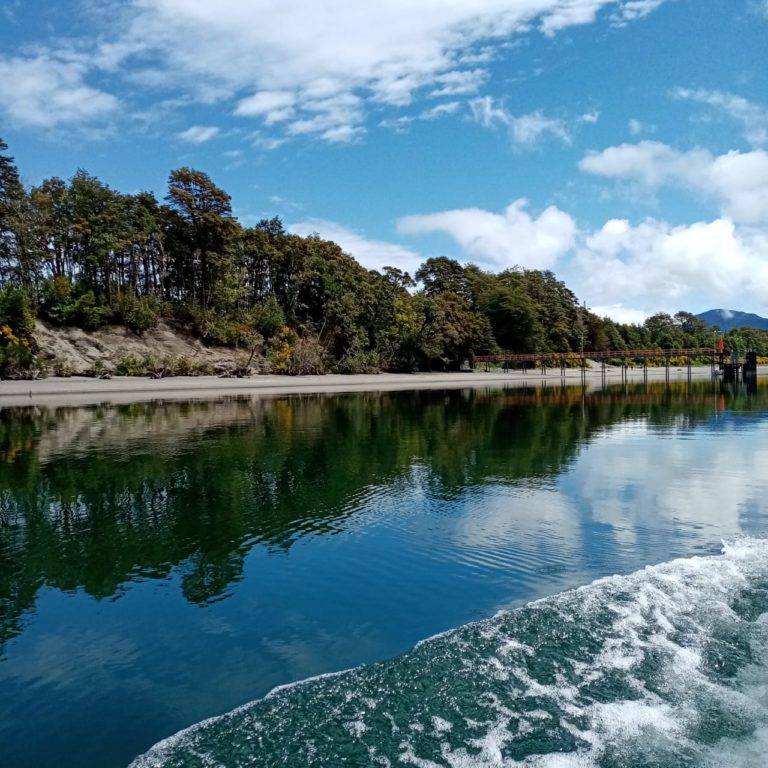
(667,666)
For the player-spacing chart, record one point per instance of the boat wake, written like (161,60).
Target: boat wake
(665,667)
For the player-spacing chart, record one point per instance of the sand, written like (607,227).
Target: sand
(122,389)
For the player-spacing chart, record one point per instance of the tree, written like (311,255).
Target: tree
(201,227)
(12,199)
(443,275)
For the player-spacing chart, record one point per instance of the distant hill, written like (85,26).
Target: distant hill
(728,319)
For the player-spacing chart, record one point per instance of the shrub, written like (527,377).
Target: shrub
(268,318)
(130,365)
(17,358)
(56,302)
(16,313)
(224,330)
(294,355)
(62,368)
(87,314)
(183,366)
(357,361)
(139,313)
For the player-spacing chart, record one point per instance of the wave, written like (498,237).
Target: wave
(664,667)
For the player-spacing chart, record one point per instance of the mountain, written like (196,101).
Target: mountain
(728,319)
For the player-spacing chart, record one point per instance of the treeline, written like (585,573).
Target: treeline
(79,253)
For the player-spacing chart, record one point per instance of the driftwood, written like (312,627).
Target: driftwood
(238,370)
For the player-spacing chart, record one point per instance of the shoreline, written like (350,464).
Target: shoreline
(80,390)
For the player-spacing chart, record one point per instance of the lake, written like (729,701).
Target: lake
(165,563)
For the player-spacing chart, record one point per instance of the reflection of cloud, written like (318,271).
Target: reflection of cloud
(60,661)
(698,484)
(537,528)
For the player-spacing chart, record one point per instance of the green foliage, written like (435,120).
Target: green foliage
(86,312)
(56,303)
(357,361)
(139,313)
(215,328)
(17,358)
(268,317)
(130,365)
(83,254)
(62,368)
(16,312)
(291,354)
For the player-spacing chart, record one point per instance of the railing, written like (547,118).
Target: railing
(612,354)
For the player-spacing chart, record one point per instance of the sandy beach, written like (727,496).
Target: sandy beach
(79,390)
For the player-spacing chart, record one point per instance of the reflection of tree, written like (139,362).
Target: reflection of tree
(220,478)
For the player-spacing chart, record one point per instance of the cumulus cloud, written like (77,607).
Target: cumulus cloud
(736,181)
(372,254)
(504,240)
(46,91)
(656,265)
(291,69)
(198,134)
(753,117)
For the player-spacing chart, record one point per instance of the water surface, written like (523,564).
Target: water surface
(164,563)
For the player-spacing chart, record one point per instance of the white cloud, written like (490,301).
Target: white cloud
(504,240)
(656,265)
(634,10)
(441,110)
(372,254)
(525,131)
(636,127)
(46,91)
(273,106)
(280,59)
(621,314)
(403,123)
(753,117)
(198,134)
(737,181)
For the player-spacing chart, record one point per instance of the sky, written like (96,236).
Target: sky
(622,144)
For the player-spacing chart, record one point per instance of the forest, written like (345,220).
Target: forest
(77,252)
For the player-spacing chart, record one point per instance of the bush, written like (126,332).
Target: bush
(356,361)
(184,366)
(139,313)
(268,318)
(56,303)
(16,313)
(130,365)
(17,358)
(288,353)
(228,331)
(62,368)
(87,314)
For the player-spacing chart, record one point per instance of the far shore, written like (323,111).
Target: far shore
(79,390)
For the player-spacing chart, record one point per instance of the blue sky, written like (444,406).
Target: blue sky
(620,143)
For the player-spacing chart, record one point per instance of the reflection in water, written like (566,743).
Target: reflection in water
(351,510)
(94,497)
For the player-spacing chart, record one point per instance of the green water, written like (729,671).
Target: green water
(164,563)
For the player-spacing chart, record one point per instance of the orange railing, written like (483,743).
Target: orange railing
(612,354)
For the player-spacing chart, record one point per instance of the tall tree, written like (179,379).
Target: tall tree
(202,228)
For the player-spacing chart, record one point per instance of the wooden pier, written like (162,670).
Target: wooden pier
(730,366)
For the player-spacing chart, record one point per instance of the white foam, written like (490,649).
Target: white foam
(666,612)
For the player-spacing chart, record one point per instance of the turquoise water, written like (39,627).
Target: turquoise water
(164,564)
